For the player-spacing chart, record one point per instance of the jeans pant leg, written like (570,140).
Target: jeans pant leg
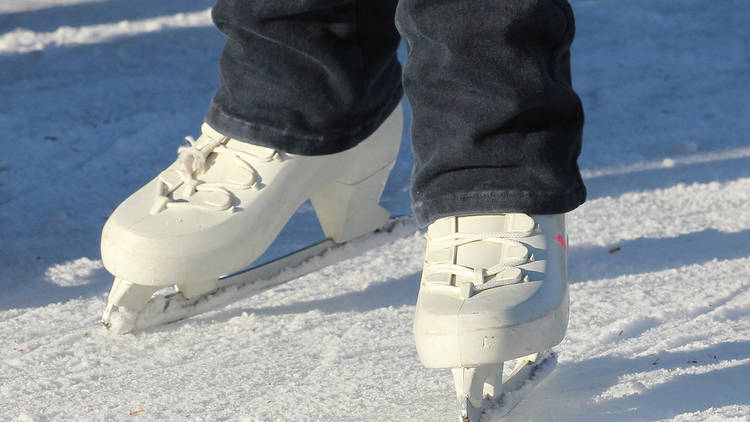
(308,77)
(496,124)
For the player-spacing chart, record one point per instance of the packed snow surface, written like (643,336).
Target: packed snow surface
(95,97)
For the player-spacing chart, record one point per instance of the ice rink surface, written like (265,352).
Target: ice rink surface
(95,97)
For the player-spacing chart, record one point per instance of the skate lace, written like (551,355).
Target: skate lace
(505,272)
(192,161)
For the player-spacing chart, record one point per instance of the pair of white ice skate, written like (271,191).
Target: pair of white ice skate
(494,287)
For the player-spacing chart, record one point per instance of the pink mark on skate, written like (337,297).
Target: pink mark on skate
(562,242)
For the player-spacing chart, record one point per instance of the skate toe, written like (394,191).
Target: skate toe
(452,332)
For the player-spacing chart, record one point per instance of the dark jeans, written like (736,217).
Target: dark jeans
(496,124)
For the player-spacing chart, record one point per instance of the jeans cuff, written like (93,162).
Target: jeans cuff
(426,211)
(295,141)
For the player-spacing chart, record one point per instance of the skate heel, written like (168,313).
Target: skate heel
(478,388)
(125,294)
(349,210)
(347,207)
(475,386)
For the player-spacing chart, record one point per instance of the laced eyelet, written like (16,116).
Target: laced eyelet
(502,274)
(192,161)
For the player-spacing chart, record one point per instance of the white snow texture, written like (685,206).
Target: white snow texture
(95,97)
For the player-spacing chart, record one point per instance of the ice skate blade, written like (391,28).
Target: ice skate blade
(107,315)
(166,307)
(125,295)
(479,397)
(118,320)
(469,413)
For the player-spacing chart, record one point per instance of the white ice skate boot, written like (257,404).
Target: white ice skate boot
(494,288)
(222,203)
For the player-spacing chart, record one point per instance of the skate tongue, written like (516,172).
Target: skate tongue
(498,223)
(254,150)
(487,254)
(515,225)
(482,243)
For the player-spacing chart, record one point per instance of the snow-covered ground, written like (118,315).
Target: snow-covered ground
(95,96)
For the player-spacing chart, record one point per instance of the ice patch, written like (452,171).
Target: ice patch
(77,272)
(732,413)
(29,5)
(22,40)
(668,163)
(707,157)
